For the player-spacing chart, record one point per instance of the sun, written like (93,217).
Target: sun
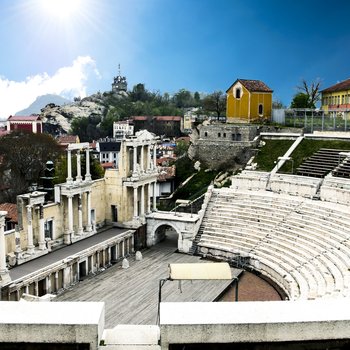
(62,9)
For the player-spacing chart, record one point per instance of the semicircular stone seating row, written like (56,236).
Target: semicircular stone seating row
(302,245)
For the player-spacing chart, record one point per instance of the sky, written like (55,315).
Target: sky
(73,47)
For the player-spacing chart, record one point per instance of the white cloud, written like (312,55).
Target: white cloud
(67,81)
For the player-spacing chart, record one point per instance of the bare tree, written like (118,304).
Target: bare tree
(312,91)
(215,102)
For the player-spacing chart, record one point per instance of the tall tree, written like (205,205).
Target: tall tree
(312,91)
(183,99)
(139,93)
(23,157)
(216,103)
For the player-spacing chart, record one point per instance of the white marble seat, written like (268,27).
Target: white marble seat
(305,241)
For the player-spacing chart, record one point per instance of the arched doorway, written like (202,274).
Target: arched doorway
(167,235)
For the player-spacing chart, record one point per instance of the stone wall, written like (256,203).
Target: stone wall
(225,146)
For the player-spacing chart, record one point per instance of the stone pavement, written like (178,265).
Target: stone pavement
(62,253)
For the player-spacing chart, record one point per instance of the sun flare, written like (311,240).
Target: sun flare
(62,9)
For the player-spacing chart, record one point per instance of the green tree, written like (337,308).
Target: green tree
(23,158)
(183,99)
(139,93)
(197,99)
(181,148)
(215,103)
(61,167)
(301,100)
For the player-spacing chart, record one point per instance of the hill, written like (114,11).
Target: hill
(41,102)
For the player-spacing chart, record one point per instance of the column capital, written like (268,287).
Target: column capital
(2,218)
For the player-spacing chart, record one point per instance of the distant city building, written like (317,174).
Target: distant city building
(32,123)
(248,100)
(119,84)
(65,140)
(122,128)
(11,216)
(168,126)
(108,152)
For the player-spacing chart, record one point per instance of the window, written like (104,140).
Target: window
(219,134)
(261,109)
(238,137)
(224,134)
(238,93)
(114,213)
(48,228)
(205,134)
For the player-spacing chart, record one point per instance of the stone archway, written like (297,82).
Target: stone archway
(166,232)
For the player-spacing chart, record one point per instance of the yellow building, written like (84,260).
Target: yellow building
(336,98)
(248,100)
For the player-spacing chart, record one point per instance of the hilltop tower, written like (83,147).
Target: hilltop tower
(119,84)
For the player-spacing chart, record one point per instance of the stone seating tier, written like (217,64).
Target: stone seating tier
(289,239)
(320,163)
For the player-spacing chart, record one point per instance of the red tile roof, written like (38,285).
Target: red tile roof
(68,139)
(18,118)
(11,211)
(140,117)
(168,118)
(159,118)
(166,173)
(107,165)
(343,85)
(252,85)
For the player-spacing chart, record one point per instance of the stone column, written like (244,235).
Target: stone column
(142,160)
(142,209)
(87,161)
(56,282)
(148,159)
(30,245)
(155,156)
(4,275)
(148,198)
(69,168)
(42,243)
(88,227)
(36,288)
(48,284)
(78,178)
(18,249)
(132,243)
(134,160)
(80,216)
(123,248)
(154,196)
(103,257)
(70,214)
(135,202)
(97,260)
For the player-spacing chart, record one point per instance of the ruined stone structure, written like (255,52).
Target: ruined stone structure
(81,206)
(223,145)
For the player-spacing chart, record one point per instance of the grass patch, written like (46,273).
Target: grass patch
(269,153)
(196,186)
(308,147)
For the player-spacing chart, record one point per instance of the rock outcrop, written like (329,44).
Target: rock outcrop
(58,119)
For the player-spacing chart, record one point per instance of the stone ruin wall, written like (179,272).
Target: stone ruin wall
(223,146)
